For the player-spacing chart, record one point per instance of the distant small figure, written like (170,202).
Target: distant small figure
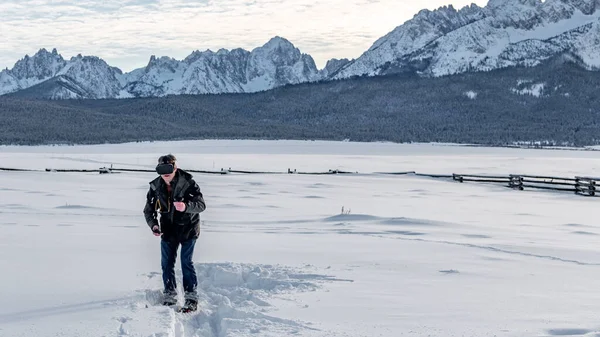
(178,199)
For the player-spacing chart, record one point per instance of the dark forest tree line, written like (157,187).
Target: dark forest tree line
(399,108)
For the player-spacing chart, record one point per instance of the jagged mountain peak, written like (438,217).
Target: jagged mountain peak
(43,52)
(277,42)
(279,62)
(447,12)
(220,53)
(196,55)
(332,66)
(429,15)
(92,61)
(93,75)
(31,70)
(511,4)
(332,63)
(431,24)
(161,61)
(42,65)
(88,58)
(278,50)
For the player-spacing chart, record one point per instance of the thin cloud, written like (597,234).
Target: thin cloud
(126,33)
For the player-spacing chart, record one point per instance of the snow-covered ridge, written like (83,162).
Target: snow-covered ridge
(32,70)
(504,33)
(424,28)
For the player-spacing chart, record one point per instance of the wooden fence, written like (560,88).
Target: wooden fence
(112,169)
(579,185)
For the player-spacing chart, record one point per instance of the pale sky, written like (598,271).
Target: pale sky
(125,33)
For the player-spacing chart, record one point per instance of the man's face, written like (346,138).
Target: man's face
(168,177)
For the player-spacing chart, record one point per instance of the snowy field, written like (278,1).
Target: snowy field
(414,256)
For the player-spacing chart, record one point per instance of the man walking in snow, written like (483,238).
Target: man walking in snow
(177,198)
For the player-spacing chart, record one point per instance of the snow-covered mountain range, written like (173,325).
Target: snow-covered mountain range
(504,33)
(47,74)
(275,64)
(445,41)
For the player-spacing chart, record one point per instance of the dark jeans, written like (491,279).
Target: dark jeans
(168,258)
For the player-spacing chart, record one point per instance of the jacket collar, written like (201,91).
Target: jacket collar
(181,182)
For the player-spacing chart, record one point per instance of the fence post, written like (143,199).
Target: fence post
(516,182)
(585,185)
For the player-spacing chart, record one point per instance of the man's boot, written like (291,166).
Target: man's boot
(190,305)
(169,299)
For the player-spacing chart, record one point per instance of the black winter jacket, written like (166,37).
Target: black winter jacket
(175,225)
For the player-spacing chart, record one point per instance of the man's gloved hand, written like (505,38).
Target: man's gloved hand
(156,230)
